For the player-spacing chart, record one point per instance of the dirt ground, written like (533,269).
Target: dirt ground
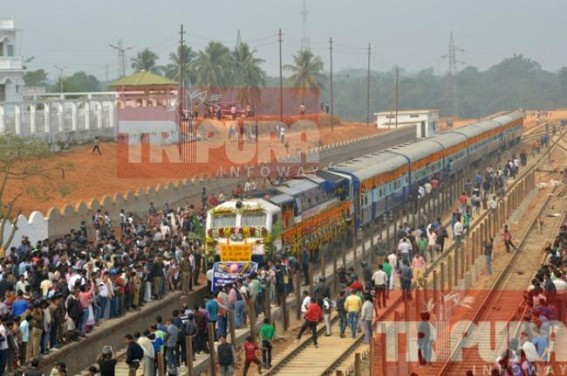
(95,176)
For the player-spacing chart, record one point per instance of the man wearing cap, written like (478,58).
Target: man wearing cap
(37,329)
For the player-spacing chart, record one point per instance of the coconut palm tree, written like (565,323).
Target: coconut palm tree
(187,60)
(305,71)
(248,76)
(212,66)
(146,60)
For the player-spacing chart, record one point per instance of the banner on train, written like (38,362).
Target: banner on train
(236,252)
(230,272)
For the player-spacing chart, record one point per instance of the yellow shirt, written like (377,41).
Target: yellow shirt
(353,303)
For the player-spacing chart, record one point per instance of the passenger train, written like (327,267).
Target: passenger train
(309,208)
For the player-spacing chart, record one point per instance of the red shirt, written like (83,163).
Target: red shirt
(357,285)
(250,350)
(314,313)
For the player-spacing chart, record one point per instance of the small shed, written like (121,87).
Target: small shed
(426,122)
(146,89)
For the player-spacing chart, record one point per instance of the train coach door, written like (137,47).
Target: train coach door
(374,201)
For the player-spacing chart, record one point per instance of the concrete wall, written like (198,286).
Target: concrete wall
(36,228)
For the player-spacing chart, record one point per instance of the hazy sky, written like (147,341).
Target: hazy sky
(413,34)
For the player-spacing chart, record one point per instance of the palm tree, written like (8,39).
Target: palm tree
(248,75)
(305,72)
(188,56)
(212,66)
(146,61)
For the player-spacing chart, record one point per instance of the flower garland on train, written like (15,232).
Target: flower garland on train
(317,231)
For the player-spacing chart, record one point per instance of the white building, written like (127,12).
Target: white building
(11,64)
(426,122)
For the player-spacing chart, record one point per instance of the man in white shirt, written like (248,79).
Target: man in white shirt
(458,233)
(380,278)
(428,187)
(529,348)
(405,249)
(306,302)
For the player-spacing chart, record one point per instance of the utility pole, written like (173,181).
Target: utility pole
(181,58)
(368,90)
(396,93)
(331,84)
(122,52)
(60,69)
(281,76)
(453,73)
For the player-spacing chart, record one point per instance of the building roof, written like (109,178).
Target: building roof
(405,112)
(143,78)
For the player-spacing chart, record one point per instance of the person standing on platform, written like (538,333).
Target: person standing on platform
(406,276)
(387,267)
(367,317)
(186,274)
(458,229)
(380,280)
(488,247)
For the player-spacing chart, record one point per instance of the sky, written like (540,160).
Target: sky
(412,34)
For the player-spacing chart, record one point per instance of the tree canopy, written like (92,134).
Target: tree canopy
(213,66)
(19,165)
(184,58)
(78,82)
(146,60)
(36,78)
(306,71)
(247,74)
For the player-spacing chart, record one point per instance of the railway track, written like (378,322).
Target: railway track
(503,302)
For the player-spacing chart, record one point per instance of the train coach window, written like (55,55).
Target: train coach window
(253,220)
(224,221)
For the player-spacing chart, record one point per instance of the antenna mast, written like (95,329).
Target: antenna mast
(453,73)
(305,38)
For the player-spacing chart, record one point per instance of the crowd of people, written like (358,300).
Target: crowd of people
(58,290)
(546,312)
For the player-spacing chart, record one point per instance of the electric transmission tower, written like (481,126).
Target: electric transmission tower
(238,40)
(304,38)
(452,74)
